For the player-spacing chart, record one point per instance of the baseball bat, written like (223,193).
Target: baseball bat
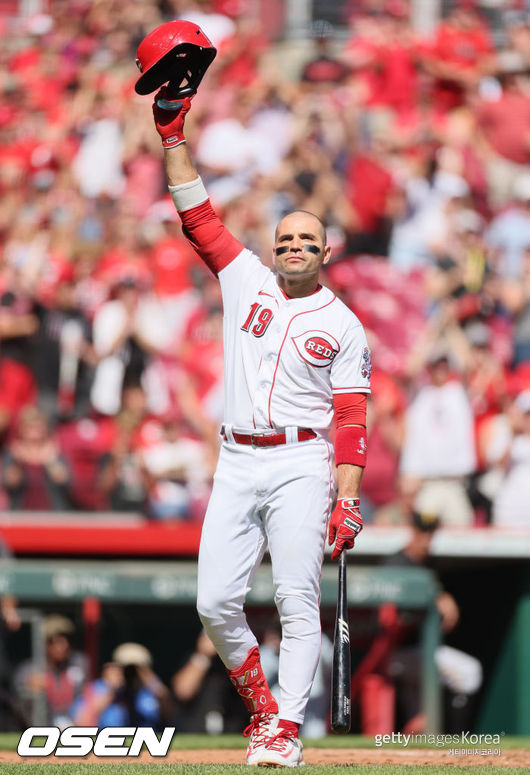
(341,671)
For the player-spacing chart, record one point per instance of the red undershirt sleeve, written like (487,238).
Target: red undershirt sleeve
(350,409)
(350,420)
(209,237)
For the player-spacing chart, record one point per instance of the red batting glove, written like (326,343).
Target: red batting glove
(169,118)
(344,525)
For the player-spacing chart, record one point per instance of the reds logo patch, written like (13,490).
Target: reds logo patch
(318,348)
(366,366)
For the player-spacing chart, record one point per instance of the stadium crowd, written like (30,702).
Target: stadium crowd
(414,150)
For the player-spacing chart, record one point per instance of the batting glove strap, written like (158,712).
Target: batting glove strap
(172,142)
(351,506)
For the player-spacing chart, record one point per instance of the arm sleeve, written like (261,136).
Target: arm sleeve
(202,227)
(209,237)
(350,409)
(350,419)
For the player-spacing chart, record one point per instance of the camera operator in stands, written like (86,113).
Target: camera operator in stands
(128,693)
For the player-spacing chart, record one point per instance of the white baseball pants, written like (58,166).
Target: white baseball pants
(281,497)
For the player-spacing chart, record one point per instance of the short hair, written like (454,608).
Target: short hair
(322,225)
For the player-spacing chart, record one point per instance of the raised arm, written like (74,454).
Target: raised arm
(204,230)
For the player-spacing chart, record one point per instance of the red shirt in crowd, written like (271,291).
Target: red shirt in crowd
(118,263)
(171,262)
(240,57)
(506,126)
(462,49)
(369,186)
(202,355)
(17,388)
(361,54)
(399,80)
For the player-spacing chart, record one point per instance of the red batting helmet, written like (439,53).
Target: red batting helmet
(178,52)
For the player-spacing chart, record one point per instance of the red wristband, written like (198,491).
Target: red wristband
(350,445)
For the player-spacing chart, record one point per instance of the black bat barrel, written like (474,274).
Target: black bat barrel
(341,673)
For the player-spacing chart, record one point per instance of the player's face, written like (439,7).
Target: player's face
(299,246)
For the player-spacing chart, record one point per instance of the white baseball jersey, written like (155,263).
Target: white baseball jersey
(285,358)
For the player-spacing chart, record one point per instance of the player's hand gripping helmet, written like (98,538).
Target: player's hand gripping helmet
(178,52)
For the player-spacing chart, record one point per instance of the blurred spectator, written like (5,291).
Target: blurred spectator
(217,26)
(90,291)
(504,126)
(206,700)
(458,57)
(235,149)
(370,186)
(35,473)
(517,31)
(172,262)
(17,390)
(438,449)
(486,386)
(324,67)
(460,673)
(510,508)
(508,234)
(240,58)
(424,209)
(97,166)
(18,326)
(121,476)
(515,296)
(128,693)
(64,355)
(360,53)
(308,180)
(84,442)
(396,59)
(464,263)
(127,330)
(64,675)
(177,471)
(460,267)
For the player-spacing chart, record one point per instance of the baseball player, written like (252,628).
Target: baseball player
(294,357)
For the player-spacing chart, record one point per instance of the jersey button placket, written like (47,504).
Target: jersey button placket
(266,373)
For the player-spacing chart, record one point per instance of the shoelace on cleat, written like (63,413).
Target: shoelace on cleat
(279,741)
(257,720)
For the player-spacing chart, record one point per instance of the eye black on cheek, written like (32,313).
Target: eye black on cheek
(312,249)
(280,251)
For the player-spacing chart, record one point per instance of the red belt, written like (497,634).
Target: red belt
(266,439)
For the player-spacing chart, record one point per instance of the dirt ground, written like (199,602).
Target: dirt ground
(346,756)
